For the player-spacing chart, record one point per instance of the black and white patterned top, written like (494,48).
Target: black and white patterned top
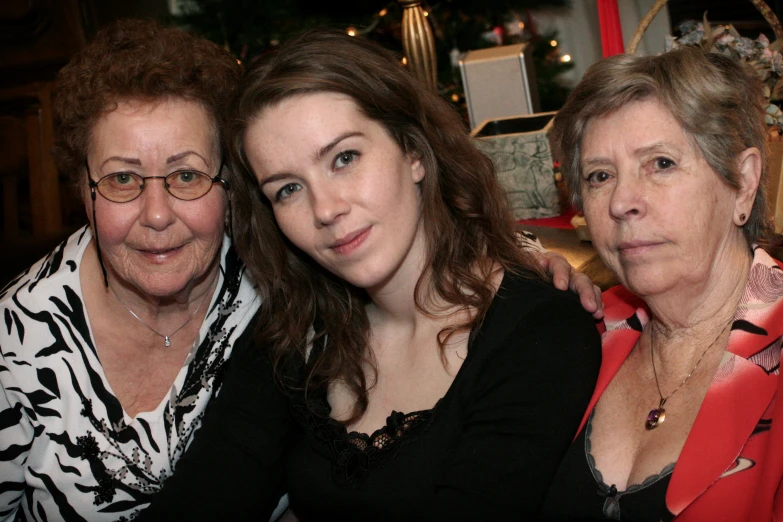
(68,451)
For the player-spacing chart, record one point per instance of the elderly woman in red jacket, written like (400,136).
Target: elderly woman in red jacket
(666,155)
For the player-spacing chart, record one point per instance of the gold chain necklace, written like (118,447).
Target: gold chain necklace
(656,416)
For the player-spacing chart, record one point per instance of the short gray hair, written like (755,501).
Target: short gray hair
(718,101)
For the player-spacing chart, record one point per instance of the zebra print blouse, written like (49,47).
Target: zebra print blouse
(68,451)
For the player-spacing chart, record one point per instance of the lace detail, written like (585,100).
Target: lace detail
(354,454)
(609,492)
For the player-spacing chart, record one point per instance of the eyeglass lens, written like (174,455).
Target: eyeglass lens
(127,186)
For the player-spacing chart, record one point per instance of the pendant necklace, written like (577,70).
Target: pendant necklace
(656,416)
(166,338)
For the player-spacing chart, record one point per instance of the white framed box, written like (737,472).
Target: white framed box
(499,82)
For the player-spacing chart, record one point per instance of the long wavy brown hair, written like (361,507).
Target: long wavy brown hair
(465,215)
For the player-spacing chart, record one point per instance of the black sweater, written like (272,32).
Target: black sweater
(487,450)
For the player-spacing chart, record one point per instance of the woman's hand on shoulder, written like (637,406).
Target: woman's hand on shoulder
(564,277)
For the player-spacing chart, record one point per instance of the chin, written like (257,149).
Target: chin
(358,281)
(649,283)
(164,285)
(363,279)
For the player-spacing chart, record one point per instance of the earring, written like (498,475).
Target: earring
(742,218)
(229,221)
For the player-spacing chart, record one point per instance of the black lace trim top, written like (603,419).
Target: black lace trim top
(354,454)
(579,492)
(486,450)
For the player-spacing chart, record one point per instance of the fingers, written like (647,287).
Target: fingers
(564,277)
(589,294)
(586,290)
(557,267)
(599,313)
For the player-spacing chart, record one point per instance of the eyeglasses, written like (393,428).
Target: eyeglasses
(122,187)
(186,185)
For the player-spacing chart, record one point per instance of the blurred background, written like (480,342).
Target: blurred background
(37,37)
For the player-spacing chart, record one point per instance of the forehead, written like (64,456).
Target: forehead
(140,126)
(633,126)
(299,125)
(320,109)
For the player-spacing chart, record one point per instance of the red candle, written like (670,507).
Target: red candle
(611,30)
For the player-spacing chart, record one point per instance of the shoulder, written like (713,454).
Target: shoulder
(522,296)
(529,314)
(58,268)
(42,309)
(533,337)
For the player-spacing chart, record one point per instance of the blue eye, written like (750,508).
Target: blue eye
(287,191)
(345,158)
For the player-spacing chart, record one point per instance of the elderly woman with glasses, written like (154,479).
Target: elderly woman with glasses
(114,343)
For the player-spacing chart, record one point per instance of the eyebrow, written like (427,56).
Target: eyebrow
(177,157)
(132,161)
(637,152)
(169,160)
(323,151)
(655,146)
(273,178)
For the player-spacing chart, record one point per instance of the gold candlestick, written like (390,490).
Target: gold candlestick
(418,43)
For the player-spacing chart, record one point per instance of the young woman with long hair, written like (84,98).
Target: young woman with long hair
(433,371)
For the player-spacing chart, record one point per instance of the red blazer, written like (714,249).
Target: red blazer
(731,466)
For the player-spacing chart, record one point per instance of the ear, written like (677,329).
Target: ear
(750,168)
(417,168)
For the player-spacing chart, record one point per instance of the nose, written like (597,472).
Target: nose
(156,211)
(628,200)
(329,204)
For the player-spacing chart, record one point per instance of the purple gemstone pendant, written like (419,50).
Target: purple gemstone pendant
(656,417)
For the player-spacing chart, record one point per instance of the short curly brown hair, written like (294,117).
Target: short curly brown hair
(136,60)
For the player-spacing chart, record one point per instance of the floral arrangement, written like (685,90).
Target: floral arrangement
(764,56)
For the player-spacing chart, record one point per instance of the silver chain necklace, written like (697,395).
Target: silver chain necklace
(166,338)
(656,416)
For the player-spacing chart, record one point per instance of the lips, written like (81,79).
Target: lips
(159,254)
(350,242)
(629,248)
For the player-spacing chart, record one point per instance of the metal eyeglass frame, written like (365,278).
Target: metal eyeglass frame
(93,190)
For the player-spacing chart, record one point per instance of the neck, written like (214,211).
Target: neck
(185,301)
(394,300)
(703,309)
(159,310)
(396,303)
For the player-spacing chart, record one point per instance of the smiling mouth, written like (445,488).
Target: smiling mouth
(350,242)
(159,251)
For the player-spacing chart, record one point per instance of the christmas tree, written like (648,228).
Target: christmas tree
(248,28)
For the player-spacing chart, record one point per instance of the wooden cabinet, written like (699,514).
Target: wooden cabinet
(37,37)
